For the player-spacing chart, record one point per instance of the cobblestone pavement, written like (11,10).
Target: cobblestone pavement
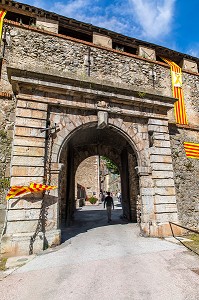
(106,261)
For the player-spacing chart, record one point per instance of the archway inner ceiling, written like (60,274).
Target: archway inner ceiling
(99,139)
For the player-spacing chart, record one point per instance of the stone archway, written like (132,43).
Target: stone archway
(67,106)
(151,161)
(89,141)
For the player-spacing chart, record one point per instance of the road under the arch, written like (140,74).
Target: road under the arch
(106,261)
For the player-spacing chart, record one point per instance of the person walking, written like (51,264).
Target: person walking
(108,202)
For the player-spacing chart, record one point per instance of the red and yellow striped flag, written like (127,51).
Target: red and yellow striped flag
(192,150)
(179,106)
(16,191)
(2,15)
(36,187)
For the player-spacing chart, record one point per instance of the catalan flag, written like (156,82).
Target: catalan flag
(2,15)
(36,187)
(192,150)
(16,191)
(179,106)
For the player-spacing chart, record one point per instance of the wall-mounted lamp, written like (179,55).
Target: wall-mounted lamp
(49,128)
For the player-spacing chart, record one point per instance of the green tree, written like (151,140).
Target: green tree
(111,166)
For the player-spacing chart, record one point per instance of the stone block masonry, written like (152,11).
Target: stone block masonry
(186,177)
(31,117)
(50,81)
(162,171)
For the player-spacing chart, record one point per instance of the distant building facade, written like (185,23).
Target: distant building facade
(87,179)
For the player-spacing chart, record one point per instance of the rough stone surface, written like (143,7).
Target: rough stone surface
(49,74)
(35,51)
(7,117)
(87,176)
(189,65)
(102,40)
(186,178)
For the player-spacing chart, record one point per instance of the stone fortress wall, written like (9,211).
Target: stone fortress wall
(42,50)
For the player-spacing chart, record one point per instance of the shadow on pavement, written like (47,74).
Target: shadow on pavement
(90,217)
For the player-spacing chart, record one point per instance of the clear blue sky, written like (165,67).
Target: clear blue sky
(170,23)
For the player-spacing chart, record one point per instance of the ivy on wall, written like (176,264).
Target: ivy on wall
(5,143)
(4,184)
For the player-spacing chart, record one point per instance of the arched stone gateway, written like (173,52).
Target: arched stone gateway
(109,142)
(84,119)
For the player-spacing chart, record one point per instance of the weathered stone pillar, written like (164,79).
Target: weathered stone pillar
(25,214)
(189,65)
(147,53)
(102,40)
(47,24)
(147,199)
(162,189)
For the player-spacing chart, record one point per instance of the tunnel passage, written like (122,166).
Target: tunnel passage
(109,142)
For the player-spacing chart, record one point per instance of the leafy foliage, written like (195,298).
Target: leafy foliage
(3,134)
(111,166)
(3,264)
(4,184)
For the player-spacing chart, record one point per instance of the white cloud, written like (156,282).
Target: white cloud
(150,20)
(36,3)
(153,16)
(143,19)
(109,23)
(194,51)
(96,14)
(72,8)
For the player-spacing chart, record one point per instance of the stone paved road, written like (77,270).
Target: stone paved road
(101,261)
